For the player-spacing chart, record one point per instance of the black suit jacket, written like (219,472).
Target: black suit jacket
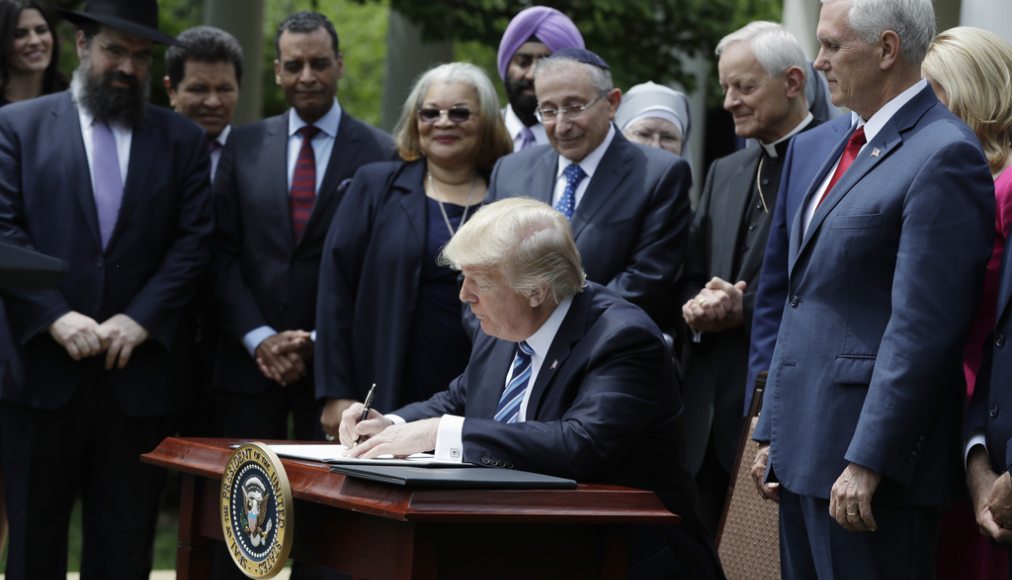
(601,410)
(260,274)
(148,271)
(369,286)
(632,222)
(715,368)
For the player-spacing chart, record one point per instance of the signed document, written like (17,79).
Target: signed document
(337,453)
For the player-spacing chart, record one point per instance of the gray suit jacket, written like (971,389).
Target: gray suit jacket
(631,224)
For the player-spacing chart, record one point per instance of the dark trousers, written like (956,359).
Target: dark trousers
(813,545)
(264,415)
(89,447)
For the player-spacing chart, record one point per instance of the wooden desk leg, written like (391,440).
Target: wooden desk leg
(615,562)
(195,554)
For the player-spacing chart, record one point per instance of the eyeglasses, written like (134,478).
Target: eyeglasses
(456,115)
(551,115)
(118,54)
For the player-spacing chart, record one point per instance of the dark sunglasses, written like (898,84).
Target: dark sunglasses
(456,115)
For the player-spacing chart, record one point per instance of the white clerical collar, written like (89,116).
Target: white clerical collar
(771,148)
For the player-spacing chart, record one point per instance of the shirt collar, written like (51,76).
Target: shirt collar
(771,148)
(222,137)
(883,115)
(593,159)
(542,339)
(329,123)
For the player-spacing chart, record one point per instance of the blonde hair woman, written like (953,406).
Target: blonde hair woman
(971,71)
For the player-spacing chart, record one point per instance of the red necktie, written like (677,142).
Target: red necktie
(303,192)
(857,140)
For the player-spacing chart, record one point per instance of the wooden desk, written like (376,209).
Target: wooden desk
(379,531)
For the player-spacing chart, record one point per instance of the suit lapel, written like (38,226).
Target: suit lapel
(342,159)
(411,197)
(143,149)
(879,149)
(273,166)
(542,177)
(572,329)
(738,194)
(828,161)
(609,174)
(1005,288)
(493,381)
(68,122)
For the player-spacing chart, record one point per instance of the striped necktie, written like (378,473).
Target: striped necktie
(508,410)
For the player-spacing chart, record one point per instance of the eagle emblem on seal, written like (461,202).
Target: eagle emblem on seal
(254,505)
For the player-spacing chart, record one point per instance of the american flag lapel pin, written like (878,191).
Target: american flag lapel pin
(555,363)
(875,152)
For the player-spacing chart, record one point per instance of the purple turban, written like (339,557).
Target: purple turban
(548,25)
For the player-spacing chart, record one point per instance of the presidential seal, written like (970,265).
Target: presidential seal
(256,511)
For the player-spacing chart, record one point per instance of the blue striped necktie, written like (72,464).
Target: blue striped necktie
(508,410)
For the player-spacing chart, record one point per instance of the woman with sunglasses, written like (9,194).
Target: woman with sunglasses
(28,52)
(386,312)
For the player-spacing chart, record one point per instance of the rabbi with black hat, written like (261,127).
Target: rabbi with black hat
(119,190)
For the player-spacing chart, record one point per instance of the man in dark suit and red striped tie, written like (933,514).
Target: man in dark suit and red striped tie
(274,196)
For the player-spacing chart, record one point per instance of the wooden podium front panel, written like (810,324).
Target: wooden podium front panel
(373,530)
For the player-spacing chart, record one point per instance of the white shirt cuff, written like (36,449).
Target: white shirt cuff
(397,419)
(976,438)
(254,337)
(450,438)
(312,335)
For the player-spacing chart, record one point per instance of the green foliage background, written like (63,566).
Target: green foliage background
(641,39)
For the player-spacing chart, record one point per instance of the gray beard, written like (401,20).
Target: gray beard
(108,104)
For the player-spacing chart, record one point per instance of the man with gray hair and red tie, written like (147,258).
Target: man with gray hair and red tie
(534,33)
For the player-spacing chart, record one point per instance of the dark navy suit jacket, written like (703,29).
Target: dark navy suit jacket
(260,274)
(632,222)
(990,410)
(881,289)
(148,271)
(369,282)
(602,408)
(803,165)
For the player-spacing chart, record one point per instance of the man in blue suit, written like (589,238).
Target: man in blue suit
(628,203)
(119,190)
(884,263)
(565,378)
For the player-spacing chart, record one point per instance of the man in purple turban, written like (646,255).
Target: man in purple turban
(534,33)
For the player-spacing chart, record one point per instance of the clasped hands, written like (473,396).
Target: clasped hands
(991,495)
(718,306)
(83,337)
(283,357)
(849,499)
(378,435)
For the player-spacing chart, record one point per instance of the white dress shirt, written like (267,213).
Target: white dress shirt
(588,164)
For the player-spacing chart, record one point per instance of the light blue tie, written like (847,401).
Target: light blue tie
(567,203)
(508,410)
(108,180)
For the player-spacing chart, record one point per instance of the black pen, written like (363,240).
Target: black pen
(368,403)
(366,407)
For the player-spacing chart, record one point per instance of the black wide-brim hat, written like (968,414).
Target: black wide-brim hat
(137,17)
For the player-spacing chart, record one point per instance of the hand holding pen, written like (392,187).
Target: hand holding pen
(349,426)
